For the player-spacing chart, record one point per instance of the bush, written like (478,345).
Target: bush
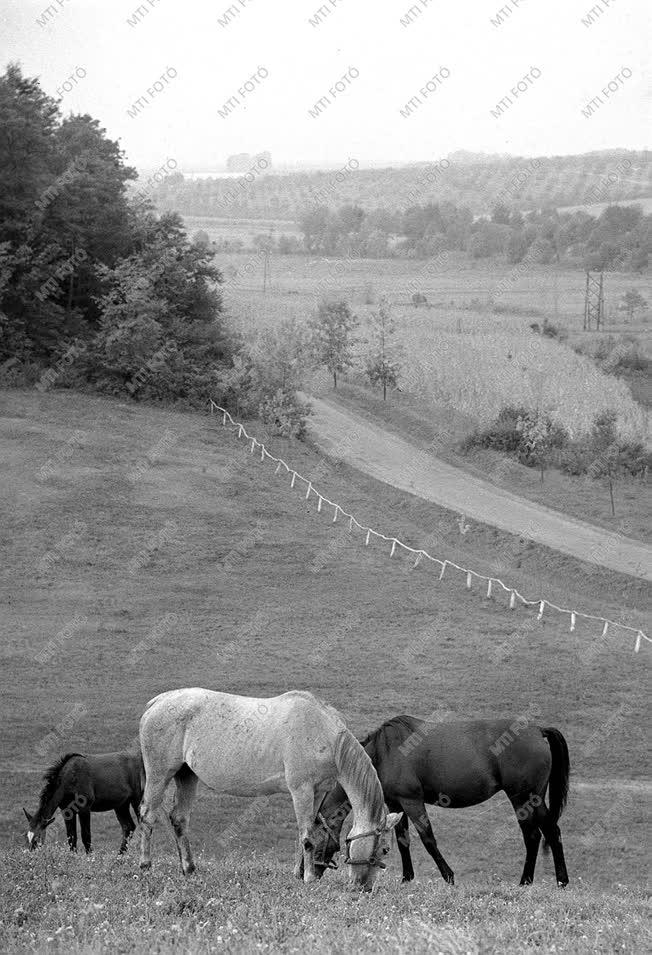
(634,458)
(576,459)
(19,374)
(553,331)
(526,434)
(283,411)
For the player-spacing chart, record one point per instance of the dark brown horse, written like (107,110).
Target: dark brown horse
(455,765)
(79,785)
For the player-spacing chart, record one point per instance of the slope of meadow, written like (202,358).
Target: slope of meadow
(146,549)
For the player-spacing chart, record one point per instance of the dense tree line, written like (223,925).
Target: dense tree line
(97,290)
(619,238)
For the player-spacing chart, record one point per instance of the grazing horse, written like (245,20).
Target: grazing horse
(253,747)
(454,765)
(79,785)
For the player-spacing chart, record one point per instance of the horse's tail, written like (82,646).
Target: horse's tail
(558,784)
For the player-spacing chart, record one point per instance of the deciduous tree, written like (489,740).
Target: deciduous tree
(332,336)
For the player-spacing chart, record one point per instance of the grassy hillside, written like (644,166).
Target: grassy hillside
(146,549)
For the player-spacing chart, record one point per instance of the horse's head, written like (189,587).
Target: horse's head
(327,826)
(35,834)
(366,850)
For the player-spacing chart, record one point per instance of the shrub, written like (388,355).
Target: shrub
(576,459)
(553,331)
(283,411)
(634,458)
(528,435)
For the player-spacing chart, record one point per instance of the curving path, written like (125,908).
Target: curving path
(389,458)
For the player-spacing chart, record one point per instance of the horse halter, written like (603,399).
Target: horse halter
(373,858)
(327,828)
(344,808)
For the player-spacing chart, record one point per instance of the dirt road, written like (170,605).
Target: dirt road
(395,461)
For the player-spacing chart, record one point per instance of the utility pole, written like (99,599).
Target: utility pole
(267,268)
(267,271)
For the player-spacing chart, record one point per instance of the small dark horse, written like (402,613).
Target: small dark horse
(454,765)
(79,785)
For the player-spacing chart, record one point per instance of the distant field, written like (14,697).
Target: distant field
(457,350)
(155,501)
(454,285)
(244,229)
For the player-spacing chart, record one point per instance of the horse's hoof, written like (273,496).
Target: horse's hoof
(562,885)
(189,869)
(145,866)
(408,878)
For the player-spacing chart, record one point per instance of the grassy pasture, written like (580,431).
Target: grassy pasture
(181,560)
(245,906)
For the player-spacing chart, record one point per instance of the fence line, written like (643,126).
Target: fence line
(420,554)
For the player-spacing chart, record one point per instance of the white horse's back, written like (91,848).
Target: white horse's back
(245,746)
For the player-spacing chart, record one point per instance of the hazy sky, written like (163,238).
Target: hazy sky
(389,64)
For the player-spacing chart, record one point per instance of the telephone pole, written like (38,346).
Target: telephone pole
(267,271)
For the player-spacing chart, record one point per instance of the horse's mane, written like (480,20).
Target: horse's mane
(51,777)
(397,727)
(358,769)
